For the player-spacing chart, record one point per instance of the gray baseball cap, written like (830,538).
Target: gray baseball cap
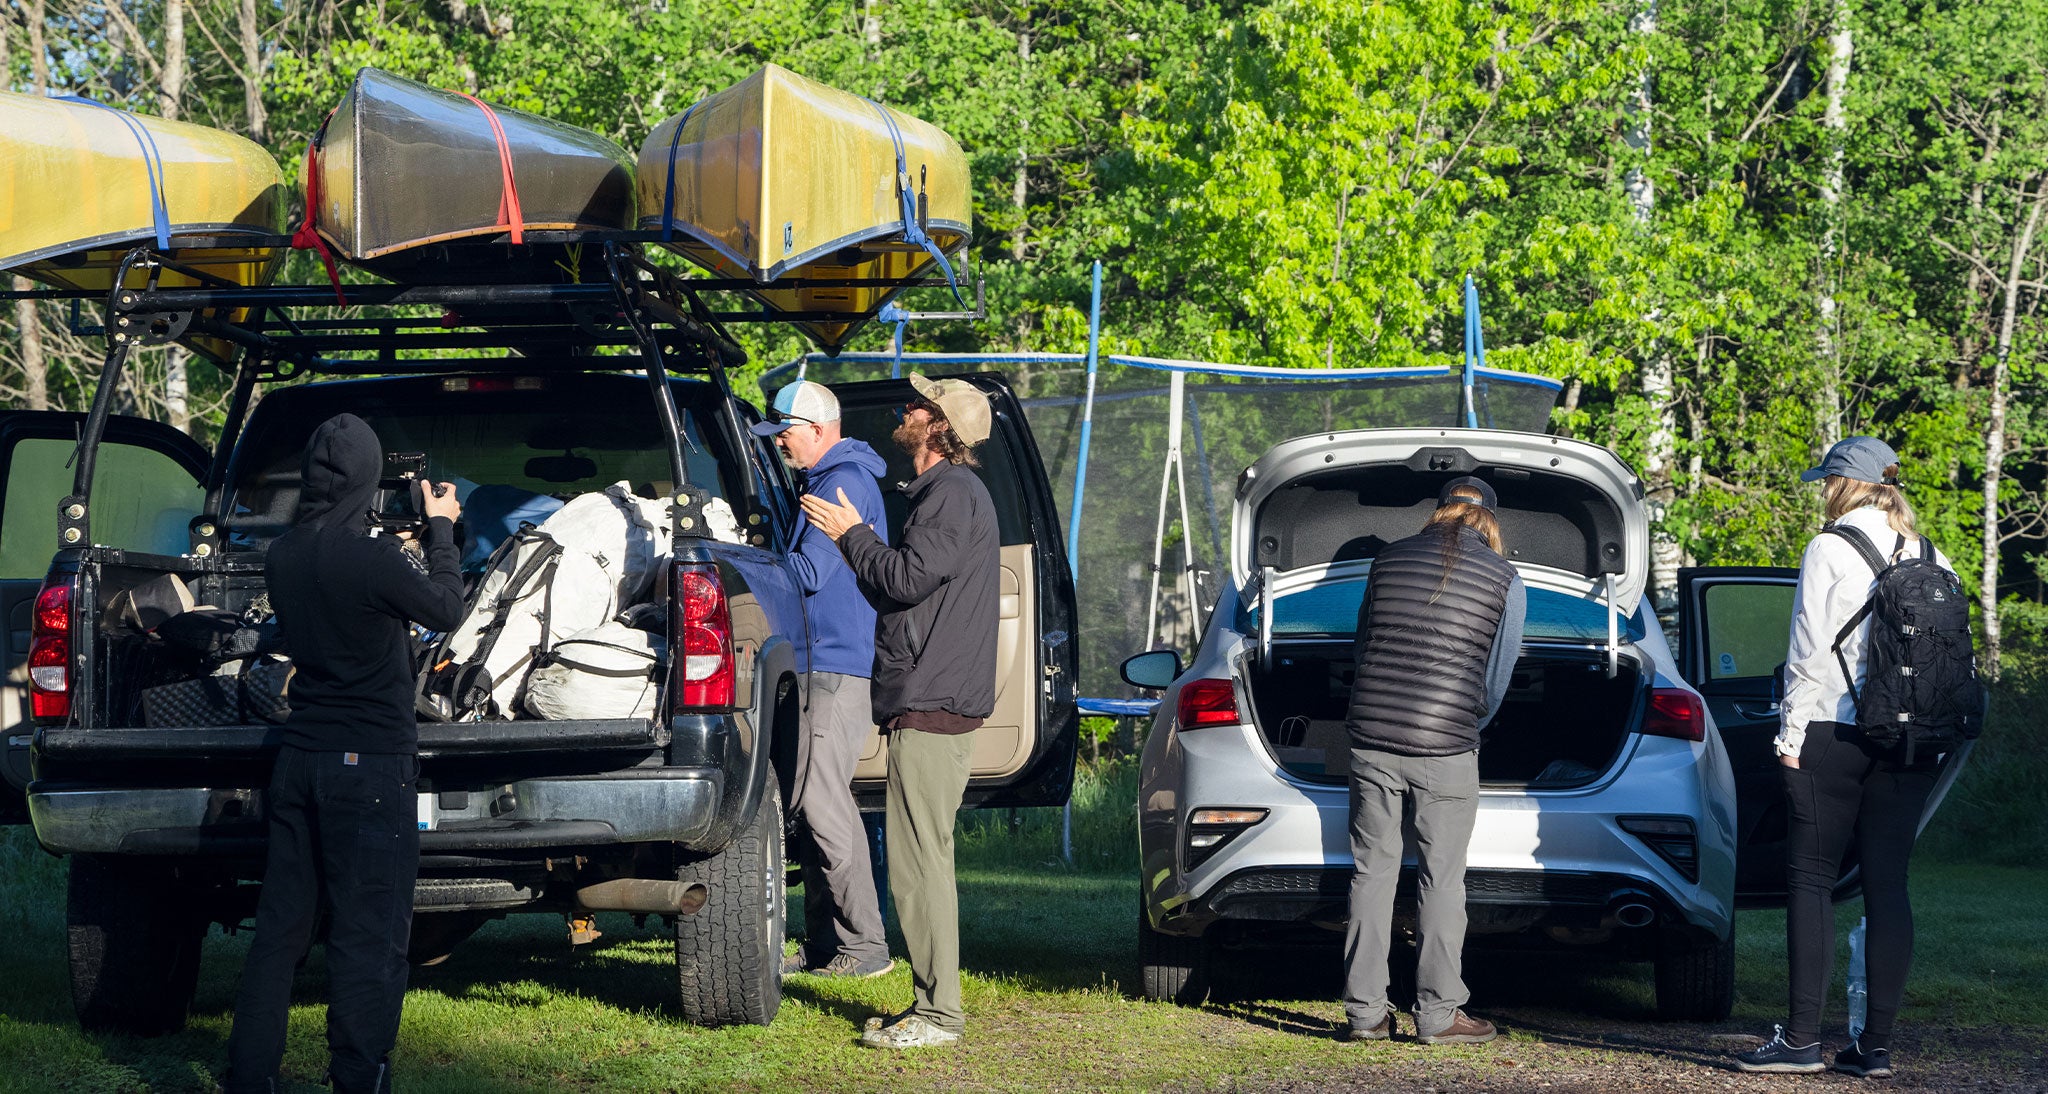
(1487,498)
(1864,459)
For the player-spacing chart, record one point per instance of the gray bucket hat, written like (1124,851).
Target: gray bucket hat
(1865,459)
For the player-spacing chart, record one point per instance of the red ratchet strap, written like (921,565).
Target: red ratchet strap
(508,197)
(306,239)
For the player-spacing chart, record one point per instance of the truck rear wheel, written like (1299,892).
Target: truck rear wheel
(729,954)
(133,939)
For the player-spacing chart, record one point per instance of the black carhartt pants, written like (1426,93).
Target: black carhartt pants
(344,832)
(1838,793)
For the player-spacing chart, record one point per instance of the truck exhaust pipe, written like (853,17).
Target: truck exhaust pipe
(646,895)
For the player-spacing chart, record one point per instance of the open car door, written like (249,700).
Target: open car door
(1734,626)
(1024,753)
(145,493)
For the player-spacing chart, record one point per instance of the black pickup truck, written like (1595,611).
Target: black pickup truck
(164,826)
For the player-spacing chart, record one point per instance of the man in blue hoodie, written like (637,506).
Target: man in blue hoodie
(842,916)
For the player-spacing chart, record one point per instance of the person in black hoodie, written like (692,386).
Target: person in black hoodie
(343,822)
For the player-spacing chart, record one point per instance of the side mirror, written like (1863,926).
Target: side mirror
(1153,670)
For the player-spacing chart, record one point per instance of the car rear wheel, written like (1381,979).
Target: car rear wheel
(133,934)
(729,953)
(1695,980)
(1173,968)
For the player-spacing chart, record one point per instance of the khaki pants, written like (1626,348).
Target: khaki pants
(927,778)
(841,913)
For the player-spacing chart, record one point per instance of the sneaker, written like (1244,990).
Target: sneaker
(793,964)
(847,965)
(1381,1032)
(1463,1030)
(912,1032)
(1779,1056)
(1873,1063)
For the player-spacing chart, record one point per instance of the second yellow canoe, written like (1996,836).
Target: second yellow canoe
(782,177)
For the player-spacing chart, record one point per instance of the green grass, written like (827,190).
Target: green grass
(1051,969)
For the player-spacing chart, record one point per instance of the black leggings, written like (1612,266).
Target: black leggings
(1839,792)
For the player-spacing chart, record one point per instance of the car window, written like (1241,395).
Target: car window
(518,443)
(142,500)
(1745,628)
(998,471)
(1332,609)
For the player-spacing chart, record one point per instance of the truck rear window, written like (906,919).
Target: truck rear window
(516,444)
(1332,610)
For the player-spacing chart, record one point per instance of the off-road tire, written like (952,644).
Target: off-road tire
(133,941)
(729,954)
(1172,968)
(1696,982)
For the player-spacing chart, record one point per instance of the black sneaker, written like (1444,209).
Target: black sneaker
(1781,1058)
(1867,1063)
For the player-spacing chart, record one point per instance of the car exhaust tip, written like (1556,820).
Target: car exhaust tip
(1631,909)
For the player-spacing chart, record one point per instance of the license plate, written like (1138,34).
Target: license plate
(428,822)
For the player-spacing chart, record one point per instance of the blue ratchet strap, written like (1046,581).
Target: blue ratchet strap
(152,162)
(892,313)
(668,193)
(913,233)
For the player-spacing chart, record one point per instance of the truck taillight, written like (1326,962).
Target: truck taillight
(49,653)
(704,664)
(1206,703)
(1675,712)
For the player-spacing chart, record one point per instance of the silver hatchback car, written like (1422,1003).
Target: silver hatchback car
(1608,810)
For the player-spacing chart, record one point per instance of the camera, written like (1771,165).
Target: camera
(399,507)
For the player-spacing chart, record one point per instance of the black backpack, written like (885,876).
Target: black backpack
(1920,685)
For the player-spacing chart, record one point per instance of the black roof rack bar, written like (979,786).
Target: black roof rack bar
(440,366)
(297,296)
(455,339)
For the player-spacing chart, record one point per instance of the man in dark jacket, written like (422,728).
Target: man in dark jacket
(935,680)
(342,807)
(1438,633)
(842,915)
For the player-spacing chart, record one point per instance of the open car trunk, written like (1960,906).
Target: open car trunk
(1563,724)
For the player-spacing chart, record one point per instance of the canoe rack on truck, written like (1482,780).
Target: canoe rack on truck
(662,316)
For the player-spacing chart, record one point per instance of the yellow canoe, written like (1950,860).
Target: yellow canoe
(402,167)
(781,177)
(76,194)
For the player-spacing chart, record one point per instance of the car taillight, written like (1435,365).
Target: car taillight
(704,664)
(49,653)
(1675,712)
(1206,703)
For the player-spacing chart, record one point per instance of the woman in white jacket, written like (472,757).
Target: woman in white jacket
(1840,786)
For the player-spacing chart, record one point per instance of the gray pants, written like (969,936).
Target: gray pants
(1441,794)
(927,778)
(841,913)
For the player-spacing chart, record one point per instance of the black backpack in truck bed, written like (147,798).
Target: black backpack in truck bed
(1920,684)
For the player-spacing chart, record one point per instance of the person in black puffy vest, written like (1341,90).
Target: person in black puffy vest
(1438,633)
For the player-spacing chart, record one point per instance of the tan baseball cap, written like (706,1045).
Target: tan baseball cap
(965,407)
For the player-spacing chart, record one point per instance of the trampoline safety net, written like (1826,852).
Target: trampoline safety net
(1229,415)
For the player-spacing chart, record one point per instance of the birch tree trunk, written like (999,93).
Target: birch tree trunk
(35,361)
(1020,189)
(1657,376)
(1835,125)
(171,90)
(250,35)
(1994,438)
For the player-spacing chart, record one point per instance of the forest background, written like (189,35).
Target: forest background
(1736,230)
